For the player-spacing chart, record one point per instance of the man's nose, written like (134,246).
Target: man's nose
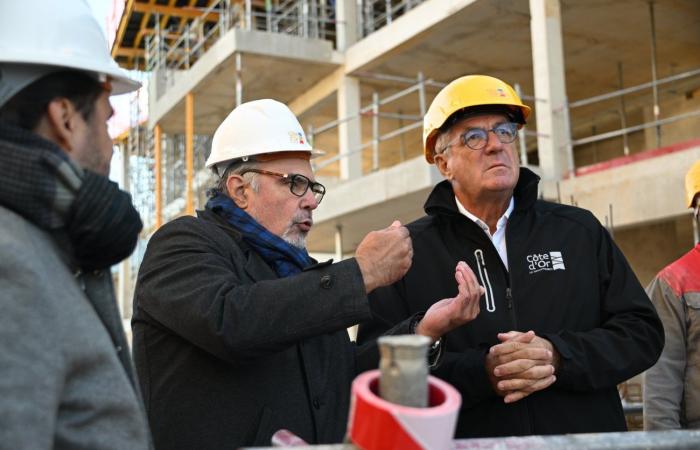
(308,200)
(493,144)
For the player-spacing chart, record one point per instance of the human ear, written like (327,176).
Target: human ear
(441,162)
(236,187)
(61,123)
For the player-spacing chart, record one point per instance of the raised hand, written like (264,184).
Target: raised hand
(449,313)
(384,256)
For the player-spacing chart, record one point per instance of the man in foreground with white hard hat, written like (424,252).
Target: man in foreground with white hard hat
(237,331)
(66,378)
(564,319)
(672,385)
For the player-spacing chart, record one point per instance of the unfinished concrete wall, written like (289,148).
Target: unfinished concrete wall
(649,248)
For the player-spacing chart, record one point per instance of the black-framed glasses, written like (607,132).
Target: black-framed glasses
(298,184)
(476,138)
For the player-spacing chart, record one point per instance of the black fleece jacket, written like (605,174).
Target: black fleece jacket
(566,280)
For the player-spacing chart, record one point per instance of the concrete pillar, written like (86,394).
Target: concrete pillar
(349,133)
(349,136)
(346,24)
(338,243)
(550,89)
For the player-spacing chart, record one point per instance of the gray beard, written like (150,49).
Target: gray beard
(295,239)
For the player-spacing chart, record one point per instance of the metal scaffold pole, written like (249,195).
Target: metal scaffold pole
(158,141)
(189,153)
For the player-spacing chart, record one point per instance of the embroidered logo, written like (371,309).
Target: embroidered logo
(538,262)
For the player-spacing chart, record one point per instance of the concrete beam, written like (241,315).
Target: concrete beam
(640,192)
(403,32)
(316,94)
(272,45)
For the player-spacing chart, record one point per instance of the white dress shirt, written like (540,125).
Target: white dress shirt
(499,237)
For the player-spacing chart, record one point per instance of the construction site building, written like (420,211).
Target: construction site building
(614,87)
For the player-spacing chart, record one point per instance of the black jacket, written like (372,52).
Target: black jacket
(567,281)
(227,353)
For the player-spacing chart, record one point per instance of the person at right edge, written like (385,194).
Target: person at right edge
(672,385)
(563,318)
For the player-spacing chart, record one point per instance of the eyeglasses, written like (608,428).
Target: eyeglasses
(298,184)
(476,138)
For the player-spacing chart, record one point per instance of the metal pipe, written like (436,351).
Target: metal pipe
(375,131)
(623,112)
(655,89)
(639,87)
(569,144)
(404,369)
(189,153)
(399,94)
(612,134)
(158,139)
(421,94)
(239,79)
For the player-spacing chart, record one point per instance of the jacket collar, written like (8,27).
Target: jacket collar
(442,199)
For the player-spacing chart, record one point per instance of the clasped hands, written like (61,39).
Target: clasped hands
(521,364)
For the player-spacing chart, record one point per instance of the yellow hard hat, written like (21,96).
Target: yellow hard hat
(467,92)
(692,183)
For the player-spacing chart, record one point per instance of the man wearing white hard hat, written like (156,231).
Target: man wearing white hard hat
(237,331)
(66,377)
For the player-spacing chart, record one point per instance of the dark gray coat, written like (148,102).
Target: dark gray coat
(227,353)
(66,380)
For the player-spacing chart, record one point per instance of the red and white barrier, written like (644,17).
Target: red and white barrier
(376,424)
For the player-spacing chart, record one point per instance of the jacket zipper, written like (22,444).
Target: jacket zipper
(485,282)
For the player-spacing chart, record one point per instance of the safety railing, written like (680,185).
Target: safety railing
(418,88)
(378,13)
(304,18)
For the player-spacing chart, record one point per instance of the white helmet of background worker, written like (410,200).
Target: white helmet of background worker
(259,127)
(39,37)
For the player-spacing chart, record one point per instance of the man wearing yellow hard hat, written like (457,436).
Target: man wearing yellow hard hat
(672,386)
(563,318)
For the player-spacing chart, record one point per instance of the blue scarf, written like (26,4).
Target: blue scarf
(284,258)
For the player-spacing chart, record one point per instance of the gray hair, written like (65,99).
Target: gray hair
(441,141)
(237,168)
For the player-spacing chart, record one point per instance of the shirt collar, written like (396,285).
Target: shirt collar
(480,222)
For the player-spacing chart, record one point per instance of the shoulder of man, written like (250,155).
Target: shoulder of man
(683,275)
(558,211)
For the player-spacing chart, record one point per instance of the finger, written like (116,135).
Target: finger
(507,347)
(514,396)
(469,276)
(525,384)
(516,367)
(462,288)
(509,335)
(534,373)
(395,224)
(517,336)
(539,356)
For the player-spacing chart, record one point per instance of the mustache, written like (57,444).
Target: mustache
(302,216)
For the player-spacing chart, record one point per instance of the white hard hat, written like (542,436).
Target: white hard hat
(38,37)
(255,128)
